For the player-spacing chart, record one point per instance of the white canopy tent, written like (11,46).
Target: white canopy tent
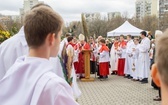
(125,29)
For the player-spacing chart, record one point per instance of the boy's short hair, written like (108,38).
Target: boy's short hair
(136,39)
(162,56)
(40,4)
(129,36)
(116,38)
(144,33)
(122,36)
(102,41)
(70,38)
(38,23)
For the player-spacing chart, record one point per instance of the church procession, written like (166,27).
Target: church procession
(42,66)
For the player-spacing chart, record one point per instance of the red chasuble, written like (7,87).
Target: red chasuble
(80,69)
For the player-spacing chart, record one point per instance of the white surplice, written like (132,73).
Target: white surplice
(11,49)
(143,59)
(63,43)
(128,64)
(123,52)
(31,81)
(135,64)
(104,57)
(55,61)
(113,59)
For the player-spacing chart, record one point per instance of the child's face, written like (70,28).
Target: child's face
(101,43)
(135,42)
(128,38)
(56,44)
(121,39)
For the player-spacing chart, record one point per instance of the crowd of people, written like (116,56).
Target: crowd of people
(129,57)
(106,55)
(135,55)
(36,64)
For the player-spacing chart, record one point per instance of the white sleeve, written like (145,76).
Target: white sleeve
(57,93)
(145,46)
(64,98)
(2,71)
(129,47)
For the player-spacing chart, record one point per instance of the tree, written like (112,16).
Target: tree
(100,26)
(163,22)
(2,27)
(150,23)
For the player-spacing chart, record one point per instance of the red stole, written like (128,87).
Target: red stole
(76,47)
(70,43)
(85,46)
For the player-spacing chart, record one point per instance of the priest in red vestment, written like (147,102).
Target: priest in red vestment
(82,46)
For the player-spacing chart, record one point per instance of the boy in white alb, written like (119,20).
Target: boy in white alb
(135,54)
(143,59)
(70,66)
(128,64)
(31,80)
(17,45)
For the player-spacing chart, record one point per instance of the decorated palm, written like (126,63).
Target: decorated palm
(85,28)
(66,63)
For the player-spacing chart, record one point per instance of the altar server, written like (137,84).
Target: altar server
(70,67)
(134,63)
(104,59)
(13,48)
(128,64)
(122,55)
(143,59)
(32,76)
(114,57)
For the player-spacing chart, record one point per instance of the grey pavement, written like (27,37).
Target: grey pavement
(116,90)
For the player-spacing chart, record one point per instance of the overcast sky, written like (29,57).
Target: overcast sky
(70,10)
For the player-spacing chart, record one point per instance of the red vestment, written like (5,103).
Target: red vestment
(80,69)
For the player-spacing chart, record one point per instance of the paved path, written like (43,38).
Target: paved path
(116,90)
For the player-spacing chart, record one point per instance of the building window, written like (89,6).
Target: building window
(31,2)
